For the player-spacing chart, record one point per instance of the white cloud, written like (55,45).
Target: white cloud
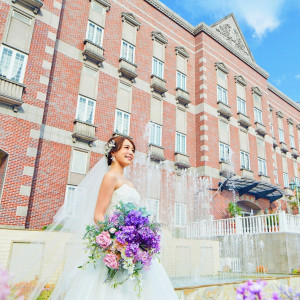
(297,76)
(261,15)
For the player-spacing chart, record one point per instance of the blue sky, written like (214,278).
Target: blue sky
(271,29)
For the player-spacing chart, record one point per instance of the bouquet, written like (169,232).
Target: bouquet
(126,241)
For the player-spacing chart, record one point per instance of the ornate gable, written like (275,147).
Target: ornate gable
(221,66)
(181,50)
(157,35)
(240,79)
(131,18)
(256,90)
(229,31)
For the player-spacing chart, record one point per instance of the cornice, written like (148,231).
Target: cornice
(221,66)
(240,79)
(283,96)
(256,90)
(202,27)
(131,18)
(181,50)
(104,3)
(159,37)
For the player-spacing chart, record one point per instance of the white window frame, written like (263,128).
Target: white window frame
(157,67)
(258,115)
(123,120)
(286,182)
(241,106)
(272,130)
(11,64)
(180,214)
(281,135)
(297,181)
(292,141)
(245,160)
(75,169)
(84,118)
(152,206)
(67,205)
(155,134)
(93,40)
(181,80)
(125,54)
(222,95)
(262,166)
(181,146)
(276,176)
(224,152)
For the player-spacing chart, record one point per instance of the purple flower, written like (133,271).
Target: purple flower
(131,249)
(144,258)
(114,218)
(127,234)
(135,218)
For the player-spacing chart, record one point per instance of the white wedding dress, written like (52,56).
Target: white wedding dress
(88,283)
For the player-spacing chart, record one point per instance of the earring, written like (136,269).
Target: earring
(113,158)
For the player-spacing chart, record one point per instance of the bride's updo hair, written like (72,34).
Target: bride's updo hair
(114,144)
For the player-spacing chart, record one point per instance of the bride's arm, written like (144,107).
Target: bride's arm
(105,193)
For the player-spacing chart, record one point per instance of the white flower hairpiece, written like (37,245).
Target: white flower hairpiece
(108,147)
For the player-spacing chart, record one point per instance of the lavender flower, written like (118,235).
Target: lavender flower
(136,218)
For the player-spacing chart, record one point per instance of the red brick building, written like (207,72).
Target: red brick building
(74,72)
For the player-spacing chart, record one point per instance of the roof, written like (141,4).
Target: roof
(249,186)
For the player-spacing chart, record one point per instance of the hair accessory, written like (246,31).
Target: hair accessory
(108,147)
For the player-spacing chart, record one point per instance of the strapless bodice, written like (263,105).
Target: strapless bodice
(124,193)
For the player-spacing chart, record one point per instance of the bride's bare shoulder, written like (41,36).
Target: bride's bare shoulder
(110,177)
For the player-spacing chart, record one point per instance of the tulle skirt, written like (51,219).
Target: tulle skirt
(88,284)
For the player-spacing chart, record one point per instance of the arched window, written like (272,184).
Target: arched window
(3,167)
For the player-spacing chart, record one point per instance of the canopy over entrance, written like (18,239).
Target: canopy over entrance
(252,187)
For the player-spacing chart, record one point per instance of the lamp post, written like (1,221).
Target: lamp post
(293,186)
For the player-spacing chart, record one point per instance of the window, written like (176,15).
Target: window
(257,115)
(292,141)
(281,136)
(262,167)
(155,134)
(122,122)
(224,152)
(272,130)
(222,95)
(153,208)
(3,168)
(245,160)
(94,34)
(12,64)
(69,208)
(98,8)
(79,162)
(158,68)
(241,106)
(286,180)
(127,51)
(181,81)
(180,143)
(180,214)
(276,176)
(85,110)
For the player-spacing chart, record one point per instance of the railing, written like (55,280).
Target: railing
(279,222)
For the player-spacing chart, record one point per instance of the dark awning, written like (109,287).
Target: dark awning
(256,188)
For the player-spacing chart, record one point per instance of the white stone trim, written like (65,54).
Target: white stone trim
(204,148)
(44,80)
(21,211)
(46,65)
(31,152)
(57,5)
(25,190)
(49,50)
(51,36)
(41,96)
(28,171)
(204,137)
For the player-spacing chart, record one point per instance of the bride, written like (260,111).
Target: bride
(91,204)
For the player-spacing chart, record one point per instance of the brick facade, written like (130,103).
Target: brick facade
(38,138)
